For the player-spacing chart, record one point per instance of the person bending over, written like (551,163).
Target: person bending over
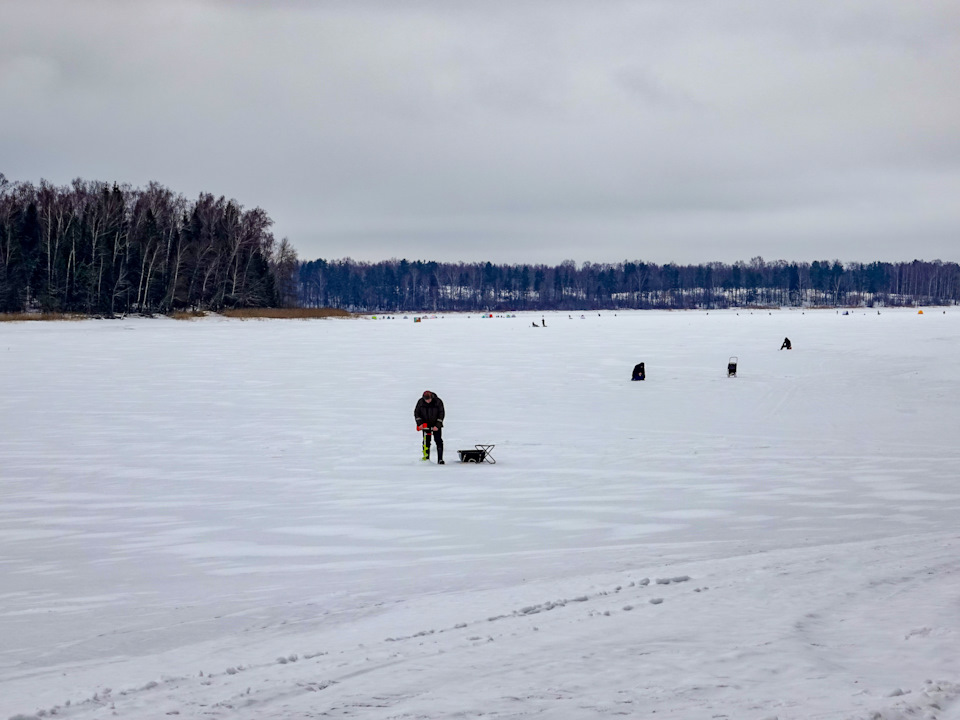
(429,416)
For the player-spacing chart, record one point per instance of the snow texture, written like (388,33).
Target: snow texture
(229,519)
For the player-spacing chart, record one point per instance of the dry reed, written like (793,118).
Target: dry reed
(27,317)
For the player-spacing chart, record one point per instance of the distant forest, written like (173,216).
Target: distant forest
(97,248)
(401,285)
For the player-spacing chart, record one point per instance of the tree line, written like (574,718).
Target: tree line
(96,248)
(402,285)
(100,248)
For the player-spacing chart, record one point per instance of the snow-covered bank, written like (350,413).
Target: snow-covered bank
(213,496)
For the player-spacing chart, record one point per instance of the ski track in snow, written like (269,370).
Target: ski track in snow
(537,658)
(191,533)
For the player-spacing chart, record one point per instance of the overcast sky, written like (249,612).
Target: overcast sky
(521,131)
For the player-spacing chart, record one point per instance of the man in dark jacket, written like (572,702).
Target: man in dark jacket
(429,416)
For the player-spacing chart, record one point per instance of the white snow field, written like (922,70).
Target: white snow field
(230,519)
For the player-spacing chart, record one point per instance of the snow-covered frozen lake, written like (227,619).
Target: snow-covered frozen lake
(227,518)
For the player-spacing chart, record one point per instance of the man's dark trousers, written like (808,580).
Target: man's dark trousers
(438,436)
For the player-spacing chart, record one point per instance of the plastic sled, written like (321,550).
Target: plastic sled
(480,453)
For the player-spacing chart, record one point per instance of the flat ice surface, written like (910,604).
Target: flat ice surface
(228,518)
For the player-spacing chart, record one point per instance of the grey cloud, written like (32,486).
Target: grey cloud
(527,131)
